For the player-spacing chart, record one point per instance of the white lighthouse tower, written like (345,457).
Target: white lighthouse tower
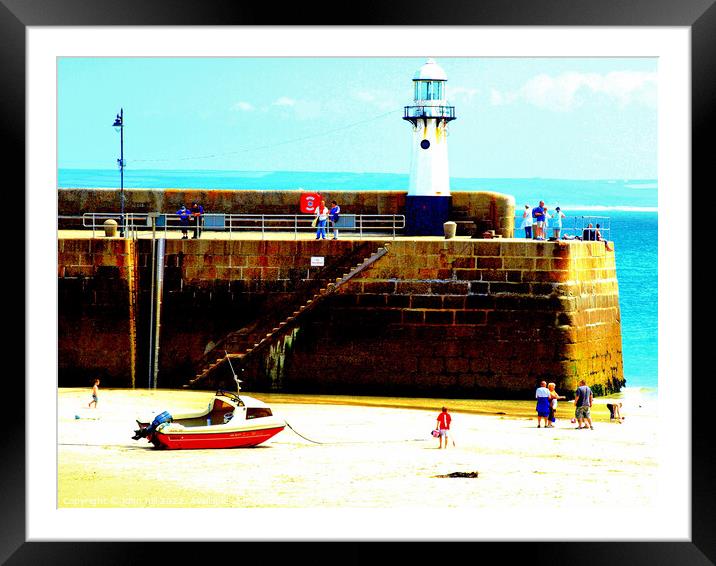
(428,202)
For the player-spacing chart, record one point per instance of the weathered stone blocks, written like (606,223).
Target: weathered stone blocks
(464,318)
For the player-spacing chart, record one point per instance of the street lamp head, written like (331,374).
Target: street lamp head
(118,123)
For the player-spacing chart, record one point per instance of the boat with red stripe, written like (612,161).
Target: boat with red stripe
(230,420)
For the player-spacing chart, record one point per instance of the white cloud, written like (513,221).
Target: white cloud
(308,109)
(570,90)
(380,99)
(243,106)
(284,101)
(496,98)
(461,93)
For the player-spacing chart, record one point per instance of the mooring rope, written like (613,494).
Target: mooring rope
(355,441)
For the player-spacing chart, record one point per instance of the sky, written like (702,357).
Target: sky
(560,118)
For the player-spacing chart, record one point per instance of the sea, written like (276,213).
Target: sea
(625,208)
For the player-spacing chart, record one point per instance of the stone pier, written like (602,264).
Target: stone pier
(461,317)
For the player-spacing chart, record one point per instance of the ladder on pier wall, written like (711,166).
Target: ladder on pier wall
(262,340)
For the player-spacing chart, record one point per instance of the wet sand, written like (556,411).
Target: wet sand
(360,453)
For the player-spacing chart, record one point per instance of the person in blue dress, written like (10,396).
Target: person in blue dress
(184,216)
(543,402)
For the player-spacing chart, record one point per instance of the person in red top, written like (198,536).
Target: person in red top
(444,426)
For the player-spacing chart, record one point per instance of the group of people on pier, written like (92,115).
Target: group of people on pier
(536,221)
(194,217)
(324,216)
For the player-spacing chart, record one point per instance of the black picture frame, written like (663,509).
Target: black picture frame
(17,15)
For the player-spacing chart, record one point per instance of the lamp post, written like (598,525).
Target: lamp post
(119,126)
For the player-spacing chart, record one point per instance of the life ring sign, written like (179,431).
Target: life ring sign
(309,202)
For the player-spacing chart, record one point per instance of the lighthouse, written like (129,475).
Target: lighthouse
(427,204)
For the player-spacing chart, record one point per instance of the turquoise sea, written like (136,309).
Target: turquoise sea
(628,207)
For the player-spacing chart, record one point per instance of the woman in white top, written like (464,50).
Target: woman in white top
(553,398)
(527,222)
(547,216)
(558,215)
(321,220)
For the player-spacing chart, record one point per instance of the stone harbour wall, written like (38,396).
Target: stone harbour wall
(488,209)
(463,318)
(475,318)
(97,294)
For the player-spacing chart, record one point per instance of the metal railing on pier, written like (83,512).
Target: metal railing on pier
(576,228)
(234,225)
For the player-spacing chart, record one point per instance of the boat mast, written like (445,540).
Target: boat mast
(236,379)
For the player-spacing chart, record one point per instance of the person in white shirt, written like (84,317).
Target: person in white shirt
(527,222)
(321,220)
(558,215)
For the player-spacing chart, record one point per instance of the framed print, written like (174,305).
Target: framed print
(314,85)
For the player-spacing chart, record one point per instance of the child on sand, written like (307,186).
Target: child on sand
(443,426)
(95,389)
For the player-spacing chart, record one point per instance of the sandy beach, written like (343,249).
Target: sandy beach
(361,452)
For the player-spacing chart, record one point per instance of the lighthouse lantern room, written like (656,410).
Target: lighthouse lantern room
(428,201)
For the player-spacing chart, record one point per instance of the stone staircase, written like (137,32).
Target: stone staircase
(259,336)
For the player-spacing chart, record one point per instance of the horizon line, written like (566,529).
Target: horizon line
(655,179)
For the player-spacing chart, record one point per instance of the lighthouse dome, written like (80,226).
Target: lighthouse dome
(430,71)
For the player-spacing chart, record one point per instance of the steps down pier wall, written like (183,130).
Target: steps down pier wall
(439,318)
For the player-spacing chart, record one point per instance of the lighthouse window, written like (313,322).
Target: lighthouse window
(428,90)
(425,144)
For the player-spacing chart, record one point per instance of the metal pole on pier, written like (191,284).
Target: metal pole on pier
(119,126)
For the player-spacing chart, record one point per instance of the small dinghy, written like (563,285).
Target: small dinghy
(230,421)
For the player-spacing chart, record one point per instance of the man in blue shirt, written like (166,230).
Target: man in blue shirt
(538,217)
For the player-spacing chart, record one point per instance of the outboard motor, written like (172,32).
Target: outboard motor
(161,418)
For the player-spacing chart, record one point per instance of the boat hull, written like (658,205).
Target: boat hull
(226,439)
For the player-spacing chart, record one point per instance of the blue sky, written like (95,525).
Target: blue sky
(569,118)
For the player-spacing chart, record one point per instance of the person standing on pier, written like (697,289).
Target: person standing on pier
(197,213)
(545,225)
(558,215)
(334,216)
(321,220)
(527,222)
(538,221)
(184,216)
